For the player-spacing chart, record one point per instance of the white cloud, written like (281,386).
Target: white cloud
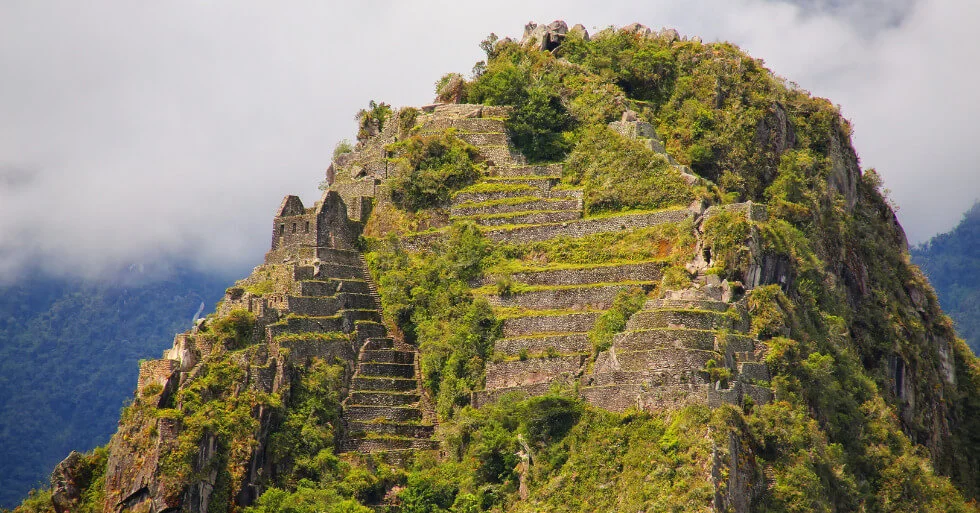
(175,129)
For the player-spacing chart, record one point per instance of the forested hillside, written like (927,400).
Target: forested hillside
(952,262)
(67,353)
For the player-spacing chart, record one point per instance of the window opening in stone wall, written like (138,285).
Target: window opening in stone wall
(294,227)
(307,227)
(282,230)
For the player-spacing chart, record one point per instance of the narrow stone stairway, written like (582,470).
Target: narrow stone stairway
(382,413)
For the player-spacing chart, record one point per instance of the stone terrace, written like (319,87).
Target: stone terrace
(664,356)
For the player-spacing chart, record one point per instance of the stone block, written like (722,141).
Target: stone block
(642,271)
(532,371)
(753,371)
(388,413)
(391,429)
(665,337)
(531,204)
(566,298)
(669,359)
(620,398)
(557,323)
(558,216)
(547,170)
(588,226)
(383,383)
(562,343)
(382,398)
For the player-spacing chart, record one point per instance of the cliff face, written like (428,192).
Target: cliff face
(692,298)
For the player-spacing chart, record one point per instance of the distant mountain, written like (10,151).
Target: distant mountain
(952,262)
(68,353)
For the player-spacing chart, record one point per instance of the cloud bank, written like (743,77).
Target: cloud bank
(135,131)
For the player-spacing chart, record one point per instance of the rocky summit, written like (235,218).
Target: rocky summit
(623,271)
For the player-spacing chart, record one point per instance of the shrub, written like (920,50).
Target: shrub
(429,168)
(614,320)
(622,174)
(371,121)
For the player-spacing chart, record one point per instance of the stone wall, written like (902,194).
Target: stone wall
(532,371)
(517,326)
(573,297)
(571,343)
(587,226)
(643,271)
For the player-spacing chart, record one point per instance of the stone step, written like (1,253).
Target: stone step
(669,359)
(560,342)
(567,193)
(378,344)
(329,270)
(500,155)
(388,356)
(338,256)
(690,304)
(483,397)
(391,384)
(504,191)
(707,340)
(587,226)
(692,319)
(554,170)
(330,287)
(362,398)
(324,306)
(565,297)
(395,370)
(650,377)
(384,444)
(306,325)
(548,323)
(513,218)
(478,125)
(753,371)
(368,329)
(365,413)
(484,138)
(640,271)
(521,204)
(622,397)
(356,429)
(532,371)
(541,183)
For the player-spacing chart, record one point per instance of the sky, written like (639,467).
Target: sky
(134,131)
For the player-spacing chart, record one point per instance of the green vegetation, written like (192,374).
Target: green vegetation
(428,168)
(614,320)
(952,263)
(622,174)
(427,295)
(371,121)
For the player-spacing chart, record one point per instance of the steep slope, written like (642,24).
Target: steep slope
(951,260)
(576,314)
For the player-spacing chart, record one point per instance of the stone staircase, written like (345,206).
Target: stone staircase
(382,413)
(334,311)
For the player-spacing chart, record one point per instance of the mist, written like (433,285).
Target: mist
(134,132)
